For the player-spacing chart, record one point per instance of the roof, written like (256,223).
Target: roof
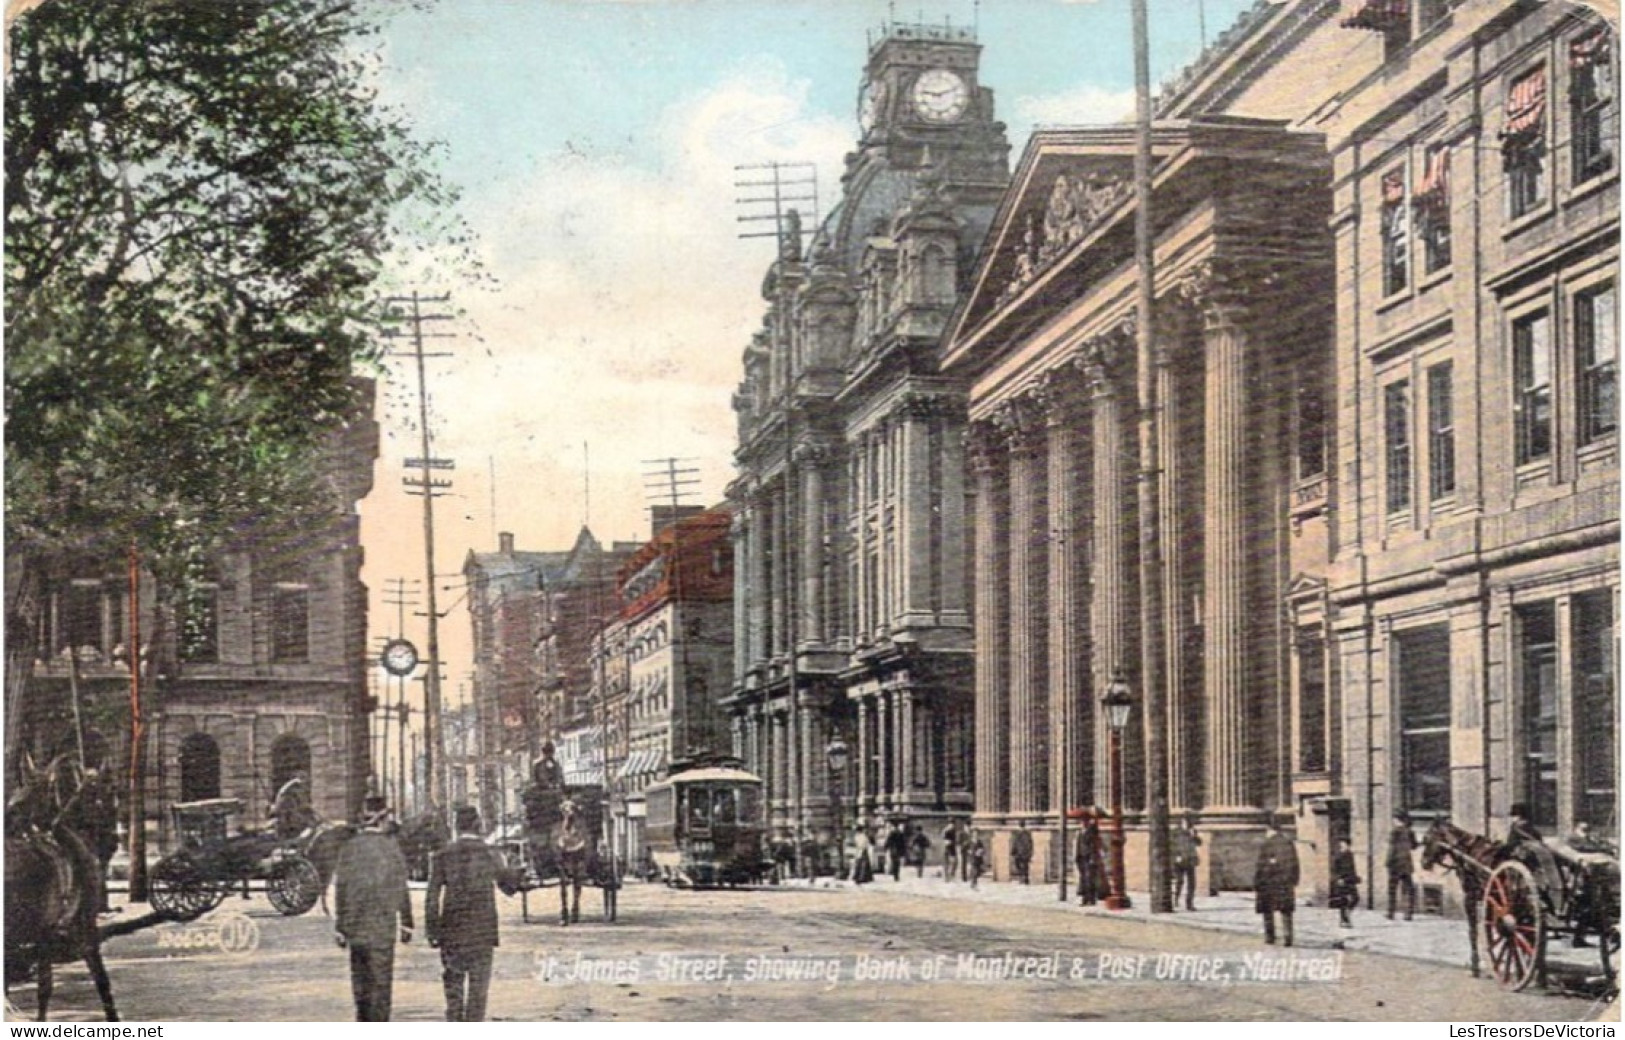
(713,773)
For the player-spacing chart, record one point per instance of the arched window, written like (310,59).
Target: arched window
(290,757)
(200,768)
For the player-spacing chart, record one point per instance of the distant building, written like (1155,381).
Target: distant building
(852,615)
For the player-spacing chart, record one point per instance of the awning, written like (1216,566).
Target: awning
(1434,194)
(636,763)
(1526,109)
(1379,15)
(1589,51)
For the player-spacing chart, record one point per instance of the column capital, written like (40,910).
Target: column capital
(812,454)
(1021,422)
(1217,289)
(984,446)
(1058,394)
(917,405)
(1106,358)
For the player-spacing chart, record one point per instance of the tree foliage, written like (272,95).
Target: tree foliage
(200,196)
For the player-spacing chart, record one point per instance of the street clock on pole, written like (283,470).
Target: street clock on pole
(399,657)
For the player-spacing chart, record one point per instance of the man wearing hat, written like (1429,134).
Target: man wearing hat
(547,773)
(1275,880)
(1187,858)
(460,914)
(1401,864)
(372,906)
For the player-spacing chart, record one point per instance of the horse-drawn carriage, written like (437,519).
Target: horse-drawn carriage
(560,847)
(1524,894)
(211,862)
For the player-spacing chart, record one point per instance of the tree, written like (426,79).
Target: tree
(200,199)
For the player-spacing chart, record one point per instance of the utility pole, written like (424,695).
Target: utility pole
(676,482)
(425,484)
(787,182)
(398,596)
(138,778)
(1150,483)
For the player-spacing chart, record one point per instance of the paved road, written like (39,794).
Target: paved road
(296,973)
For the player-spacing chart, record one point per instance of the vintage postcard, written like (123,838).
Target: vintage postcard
(800,510)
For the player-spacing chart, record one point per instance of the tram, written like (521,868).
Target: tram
(705,827)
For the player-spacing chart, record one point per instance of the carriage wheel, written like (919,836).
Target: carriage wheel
(179,892)
(1608,949)
(1514,926)
(294,886)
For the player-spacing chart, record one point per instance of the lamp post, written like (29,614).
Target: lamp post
(835,753)
(1118,702)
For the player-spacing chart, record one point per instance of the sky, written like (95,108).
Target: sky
(595,144)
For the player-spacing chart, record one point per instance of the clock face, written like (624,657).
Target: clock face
(400,657)
(940,96)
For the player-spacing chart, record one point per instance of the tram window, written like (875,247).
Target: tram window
(750,800)
(699,808)
(722,805)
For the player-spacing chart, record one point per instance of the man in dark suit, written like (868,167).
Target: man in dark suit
(460,913)
(371,907)
(1275,881)
(1021,854)
(1401,864)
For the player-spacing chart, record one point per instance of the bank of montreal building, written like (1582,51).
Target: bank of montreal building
(1439,483)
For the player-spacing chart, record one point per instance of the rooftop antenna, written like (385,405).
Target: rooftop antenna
(782,183)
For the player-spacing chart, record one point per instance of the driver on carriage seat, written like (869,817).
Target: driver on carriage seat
(290,810)
(547,773)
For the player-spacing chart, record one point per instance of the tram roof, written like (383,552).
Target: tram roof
(713,773)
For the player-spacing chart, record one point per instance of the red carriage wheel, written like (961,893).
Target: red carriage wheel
(1514,926)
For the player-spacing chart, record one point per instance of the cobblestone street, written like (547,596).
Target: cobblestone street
(297,973)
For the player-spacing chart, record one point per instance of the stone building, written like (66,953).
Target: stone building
(1385,369)
(852,618)
(257,673)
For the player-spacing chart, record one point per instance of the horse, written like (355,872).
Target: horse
(52,891)
(1471,857)
(574,848)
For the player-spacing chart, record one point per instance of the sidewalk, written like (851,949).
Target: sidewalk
(1430,938)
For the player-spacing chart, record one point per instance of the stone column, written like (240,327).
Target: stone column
(906,744)
(883,746)
(991,518)
(1026,611)
(1225,540)
(862,752)
(1112,610)
(740,531)
(756,566)
(1071,720)
(915,520)
(811,627)
(1172,508)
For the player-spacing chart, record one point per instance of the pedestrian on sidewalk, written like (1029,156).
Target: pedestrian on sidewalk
(1021,853)
(460,915)
(1087,856)
(896,849)
(1401,864)
(919,846)
(1345,894)
(950,850)
(975,854)
(372,907)
(1186,860)
(1275,881)
(863,868)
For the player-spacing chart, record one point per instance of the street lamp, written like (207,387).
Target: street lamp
(1118,702)
(836,755)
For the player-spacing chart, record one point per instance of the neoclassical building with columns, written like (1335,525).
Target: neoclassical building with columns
(1239,362)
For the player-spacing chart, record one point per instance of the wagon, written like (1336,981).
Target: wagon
(534,854)
(1538,893)
(211,862)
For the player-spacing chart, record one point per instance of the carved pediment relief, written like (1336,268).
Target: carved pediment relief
(1077,204)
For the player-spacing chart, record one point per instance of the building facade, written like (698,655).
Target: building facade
(255,674)
(852,621)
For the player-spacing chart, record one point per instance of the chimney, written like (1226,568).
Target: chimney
(505,543)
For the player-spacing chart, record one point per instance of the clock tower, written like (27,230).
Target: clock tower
(920,100)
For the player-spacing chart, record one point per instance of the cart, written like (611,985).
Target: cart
(211,862)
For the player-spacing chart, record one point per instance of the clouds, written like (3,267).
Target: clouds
(1083,105)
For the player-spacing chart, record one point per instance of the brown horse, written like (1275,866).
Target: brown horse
(52,889)
(1471,857)
(574,848)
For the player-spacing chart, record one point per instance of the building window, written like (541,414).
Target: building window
(1423,689)
(1596,345)
(200,768)
(1311,432)
(200,625)
(80,624)
(1537,638)
(1532,387)
(1432,206)
(1396,233)
(1311,701)
(1441,432)
(1591,88)
(290,759)
(1596,768)
(1397,433)
(290,623)
(1523,143)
